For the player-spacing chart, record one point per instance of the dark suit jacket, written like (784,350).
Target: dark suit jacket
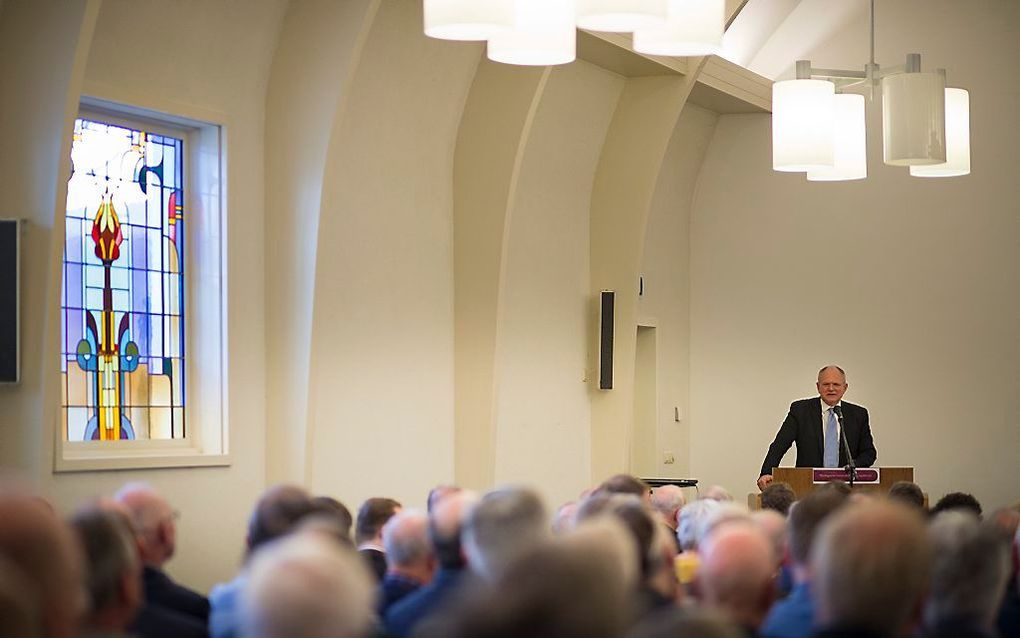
(161,590)
(803,426)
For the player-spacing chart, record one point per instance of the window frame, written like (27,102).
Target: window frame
(204,279)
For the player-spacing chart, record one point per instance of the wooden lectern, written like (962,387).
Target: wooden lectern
(805,480)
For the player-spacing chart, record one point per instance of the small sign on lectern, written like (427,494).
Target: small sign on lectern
(867,475)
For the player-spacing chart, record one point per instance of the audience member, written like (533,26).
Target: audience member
(1009,615)
(156,538)
(445,524)
(336,511)
(773,526)
(625,484)
(667,500)
(907,493)
(19,614)
(793,617)
(410,560)
(41,552)
(372,515)
(778,496)
(718,493)
(870,568)
(438,493)
(696,623)
(563,519)
(969,574)
(504,524)
(113,571)
(277,513)
(305,586)
(690,521)
(957,501)
(572,587)
(736,575)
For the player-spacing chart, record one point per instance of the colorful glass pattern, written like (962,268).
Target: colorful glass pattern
(122,325)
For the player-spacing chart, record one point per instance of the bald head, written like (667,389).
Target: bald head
(871,565)
(445,523)
(667,501)
(40,549)
(153,521)
(736,573)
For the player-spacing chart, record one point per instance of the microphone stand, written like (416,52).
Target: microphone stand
(850,467)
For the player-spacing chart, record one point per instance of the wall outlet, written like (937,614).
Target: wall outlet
(668,458)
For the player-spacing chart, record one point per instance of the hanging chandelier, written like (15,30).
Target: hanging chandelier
(819,129)
(543,32)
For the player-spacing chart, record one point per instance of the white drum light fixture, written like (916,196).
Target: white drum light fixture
(914,121)
(693,27)
(620,16)
(467,19)
(543,35)
(850,149)
(957,139)
(802,125)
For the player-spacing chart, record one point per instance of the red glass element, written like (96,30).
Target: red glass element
(106,233)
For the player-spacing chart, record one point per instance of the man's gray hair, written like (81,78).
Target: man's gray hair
(306,585)
(667,499)
(970,570)
(406,538)
(689,522)
(503,525)
(108,542)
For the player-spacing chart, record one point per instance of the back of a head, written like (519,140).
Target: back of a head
(329,508)
(667,499)
(907,493)
(690,521)
(40,549)
(806,519)
(277,513)
(624,484)
(774,526)
(112,563)
(372,515)
(778,496)
(306,586)
(406,539)
(957,501)
(736,573)
(970,570)
(150,516)
(718,493)
(871,564)
(635,517)
(446,521)
(506,523)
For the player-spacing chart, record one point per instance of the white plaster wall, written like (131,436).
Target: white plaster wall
(381,404)
(909,284)
(666,271)
(216,57)
(542,407)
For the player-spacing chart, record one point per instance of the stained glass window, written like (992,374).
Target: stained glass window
(122,325)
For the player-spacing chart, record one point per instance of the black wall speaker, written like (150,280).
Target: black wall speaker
(607,326)
(10,256)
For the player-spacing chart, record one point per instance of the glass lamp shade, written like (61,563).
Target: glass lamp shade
(693,27)
(914,119)
(802,124)
(544,34)
(851,149)
(467,19)
(957,139)
(620,16)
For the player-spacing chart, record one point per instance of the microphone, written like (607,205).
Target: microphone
(850,468)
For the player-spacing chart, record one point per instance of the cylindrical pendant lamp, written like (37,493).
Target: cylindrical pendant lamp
(957,139)
(802,125)
(914,119)
(851,148)
(544,34)
(693,27)
(467,19)
(620,16)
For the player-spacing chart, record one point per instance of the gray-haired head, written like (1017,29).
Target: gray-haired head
(113,570)
(690,521)
(667,501)
(503,525)
(307,586)
(406,539)
(970,570)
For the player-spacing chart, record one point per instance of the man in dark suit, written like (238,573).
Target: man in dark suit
(813,425)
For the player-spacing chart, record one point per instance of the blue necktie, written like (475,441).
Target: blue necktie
(831,457)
